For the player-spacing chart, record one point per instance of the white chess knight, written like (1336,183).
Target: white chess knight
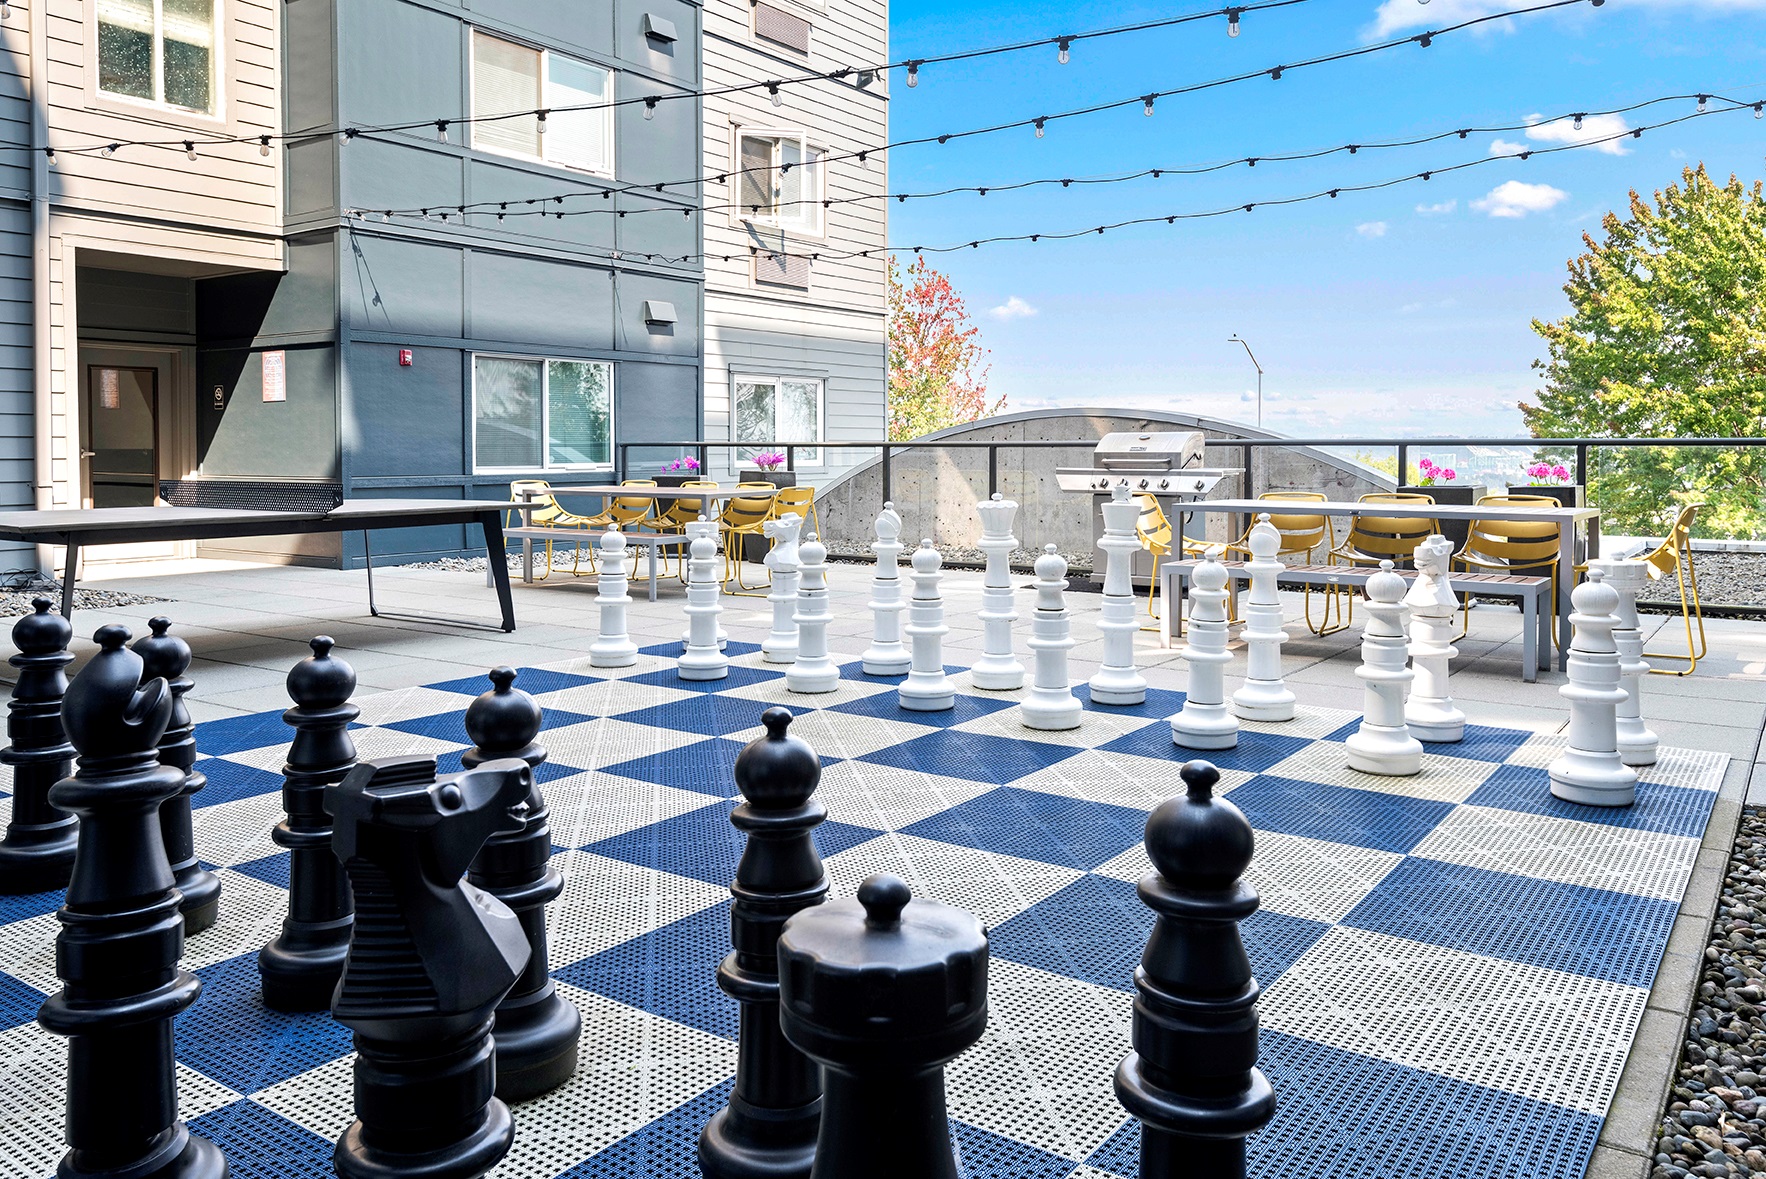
(1430,712)
(998,669)
(814,672)
(1204,721)
(1263,696)
(613,647)
(1637,744)
(886,655)
(1383,744)
(1590,771)
(780,646)
(702,657)
(927,688)
(1117,681)
(1050,705)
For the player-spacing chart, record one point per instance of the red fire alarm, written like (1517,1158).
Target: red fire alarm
(404,358)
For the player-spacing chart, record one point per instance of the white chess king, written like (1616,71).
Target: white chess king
(1117,681)
(1590,771)
(998,669)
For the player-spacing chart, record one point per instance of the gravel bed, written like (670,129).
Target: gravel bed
(1021,560)
(1713,1125)
(1725,579)
(15,601)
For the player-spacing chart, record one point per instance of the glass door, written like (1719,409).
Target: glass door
(119,436)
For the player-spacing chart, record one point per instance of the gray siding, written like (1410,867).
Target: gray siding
(16,378)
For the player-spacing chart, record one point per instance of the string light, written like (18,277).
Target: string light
(1148,109)
(1039,124)
(49,155)
(1759,108)
(441,130)
(913,74)
(263,145)
(1577,123)
(346,136)
(1703,99)
(1232,21)
(772,88)
(650,110)
(110,149)
(190,149)
(1065,44)
(541,116)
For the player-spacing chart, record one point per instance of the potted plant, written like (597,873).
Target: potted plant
(1442,482)
(1551,478)
(682,470)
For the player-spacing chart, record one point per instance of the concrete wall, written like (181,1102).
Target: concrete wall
(935,488)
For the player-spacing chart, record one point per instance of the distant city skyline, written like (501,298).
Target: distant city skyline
(1402,311)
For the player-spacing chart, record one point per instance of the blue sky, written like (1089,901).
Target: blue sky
(1404,311)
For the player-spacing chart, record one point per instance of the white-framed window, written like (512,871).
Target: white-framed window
(779,409)
(779,180)
(159,51)
(510,77)
(541,415)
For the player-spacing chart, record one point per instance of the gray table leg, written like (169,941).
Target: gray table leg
(1566,582)
(70,572)
(1530,638)
(1165,580)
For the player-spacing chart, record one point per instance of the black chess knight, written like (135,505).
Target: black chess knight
(37,853)
(430,958)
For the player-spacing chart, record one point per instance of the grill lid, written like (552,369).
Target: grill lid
(1166,450)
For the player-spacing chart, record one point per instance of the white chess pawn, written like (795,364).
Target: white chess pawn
(1117,681)
(1430,713)
(702,658)
(1050,705)
(1264,697)
(780,646)
(613,647)
(1637,744)
(1383,744)
(927,688)
(814,672)
(886,655)
(1205,722)
(1590,771)
(998,669)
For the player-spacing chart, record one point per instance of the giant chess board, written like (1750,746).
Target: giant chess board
(1454,965)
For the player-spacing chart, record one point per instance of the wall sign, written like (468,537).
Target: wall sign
(276,376)
(220,397)
(404,358)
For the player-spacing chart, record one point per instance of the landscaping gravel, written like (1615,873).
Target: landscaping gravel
(1725,579)
(1022,560)
(1713,1125)
(15,601)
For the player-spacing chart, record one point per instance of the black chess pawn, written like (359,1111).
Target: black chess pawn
(430,959)
(37,853)
(166,656)
(769,1127)
(300,968)
(883,992)
(537,1028)
(1192,1078)
(121,934)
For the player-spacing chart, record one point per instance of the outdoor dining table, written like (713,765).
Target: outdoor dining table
(1567,519)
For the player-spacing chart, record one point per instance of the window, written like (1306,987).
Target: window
(531,415)
(779,180)
(779,409)
(508,78)
(159,51)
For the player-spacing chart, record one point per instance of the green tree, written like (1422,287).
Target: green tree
(1666,337)
(936,375)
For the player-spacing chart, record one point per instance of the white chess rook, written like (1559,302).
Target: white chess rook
(927,688)
(1383,744)
(886,655)
(1117,681)
(1205,721)
(1637,744)
(1590,771)
(814,672)
(702,658)
(780,646)
(998,669)
(1050,704)
(1263,696)
(613,647)
(1430,712)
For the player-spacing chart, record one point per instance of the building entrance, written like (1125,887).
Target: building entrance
(119,443)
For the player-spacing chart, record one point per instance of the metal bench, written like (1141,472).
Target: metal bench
(1533,594)
(651,541)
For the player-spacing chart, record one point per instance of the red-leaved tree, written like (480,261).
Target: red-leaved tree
(937,374)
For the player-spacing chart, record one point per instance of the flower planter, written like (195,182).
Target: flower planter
(1457,494)
(680,480)
(1570,495)
(754,548)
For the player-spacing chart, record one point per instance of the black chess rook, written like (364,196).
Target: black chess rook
(166,656)
(430,958)
(1192,1079)
(769,1127)
(883,992)
(37,852)
(122,934)
(299,969)
(537,1028)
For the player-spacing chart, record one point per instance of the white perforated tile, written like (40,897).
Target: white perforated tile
(778,692)
(235,832)
(1308,721)
(1594,855)
(1096,727)
(1544,1034)
(1693,769)
(402,704)
(395,743)
(1122,779)
(886,798)
(1539,751)
(607,901)
(840,734)
(593,806)
(317,1098)
(992,886)
(250,916)
(1443,779)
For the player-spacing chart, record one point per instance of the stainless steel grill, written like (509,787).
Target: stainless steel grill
(1166,463)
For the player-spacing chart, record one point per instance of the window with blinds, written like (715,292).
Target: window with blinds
(778,180)
(514,81)
(158,50)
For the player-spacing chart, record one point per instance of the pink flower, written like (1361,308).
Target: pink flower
(1560,471)
(1450,474)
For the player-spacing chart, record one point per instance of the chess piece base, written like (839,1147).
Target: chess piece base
(887,663)
(917,698)
(698,667)
(27,867)
(788,1152)
(1434,724)
(536,1046)
(202,898)
(1631,752)
(1006,675)
(1390,753)
(467,1158)
(778,653)
(182,1155)
(1050,716)
(1203,726)
(301,974)
(1263,702)
(613,656)
(1118,691)
(812,683)
(1593,779)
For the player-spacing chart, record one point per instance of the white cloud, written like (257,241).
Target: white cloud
(1601,127)
(1394,16)
(1372,229)
(1502,147)
(1515,199)
(1013,308)
(1443,207)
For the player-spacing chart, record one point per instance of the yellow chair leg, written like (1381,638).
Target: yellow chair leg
(1691,608)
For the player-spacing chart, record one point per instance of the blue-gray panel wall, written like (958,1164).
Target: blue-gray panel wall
(545,304)
(405,420)
(401,286)
(249,437)
(309,76)
(16,379)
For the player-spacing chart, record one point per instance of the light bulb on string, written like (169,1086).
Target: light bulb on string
(347,135)
(110,149)
(772,88)
(1576,123)
(1062,55)
(650,109)
(1704,101)
(913,74)
(541,117)
(1039,123)
(1147,110)
(263,145)
(190,149)
(1759,109)
(1232,21)
(441,130)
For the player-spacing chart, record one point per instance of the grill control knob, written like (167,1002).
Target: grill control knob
(1123,482)
(1143,484)
(1201,486)
(1164,483)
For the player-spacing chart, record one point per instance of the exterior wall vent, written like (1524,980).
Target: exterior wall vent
(659,312)
(781,28)
(781,270)
(660,28)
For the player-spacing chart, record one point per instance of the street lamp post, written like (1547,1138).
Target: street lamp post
(1234,339)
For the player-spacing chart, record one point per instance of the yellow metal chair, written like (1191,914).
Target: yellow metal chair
(1511,546)
(802,502)
(1674,556)
(545,512)
(742,517)
(679,513)
(1374,538)
(1302,535)
(1154,529)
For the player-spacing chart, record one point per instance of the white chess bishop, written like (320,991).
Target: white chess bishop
(1637,744)
(1383,744)
(703,658)
(814,672)
(886,655)
(1591,771)
(780,646)
(1050,705)
(1117,681)
(613,647)
(998,669)
(1263,696)
(1205,722)
(927,688)
(1430,712)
